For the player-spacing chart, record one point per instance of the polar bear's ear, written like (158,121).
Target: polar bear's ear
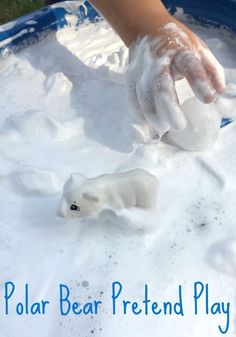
(77,179)
(72,184)
(90,196)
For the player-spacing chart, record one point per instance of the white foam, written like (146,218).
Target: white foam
(37,127)
(32,181)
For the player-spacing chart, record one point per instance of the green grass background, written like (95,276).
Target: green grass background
(11,9)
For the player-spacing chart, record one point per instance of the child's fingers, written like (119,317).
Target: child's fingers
(166,101)
(131,80)
(192,69)
(146,102)
(133,98)
(158,100)
(214,71)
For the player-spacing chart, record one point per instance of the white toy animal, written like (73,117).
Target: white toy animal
(84,197)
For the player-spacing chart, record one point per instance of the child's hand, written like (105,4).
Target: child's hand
(157,60)
(166,51)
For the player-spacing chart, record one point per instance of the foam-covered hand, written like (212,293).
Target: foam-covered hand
(157,61)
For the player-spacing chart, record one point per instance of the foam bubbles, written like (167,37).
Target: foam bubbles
(34,181)
(36,126)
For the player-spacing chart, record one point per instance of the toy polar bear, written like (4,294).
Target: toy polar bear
(84,197)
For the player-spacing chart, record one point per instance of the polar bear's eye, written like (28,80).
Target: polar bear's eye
(74,207)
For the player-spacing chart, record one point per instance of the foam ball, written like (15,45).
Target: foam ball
(203,125)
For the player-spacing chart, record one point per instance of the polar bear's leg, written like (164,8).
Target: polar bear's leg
(146,198)
(117,200)
(145,189)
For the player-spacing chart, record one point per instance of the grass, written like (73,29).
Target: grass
(11,9)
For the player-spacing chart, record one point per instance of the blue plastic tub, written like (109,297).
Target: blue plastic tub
(29,29)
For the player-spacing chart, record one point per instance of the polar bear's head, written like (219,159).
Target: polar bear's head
(79,199)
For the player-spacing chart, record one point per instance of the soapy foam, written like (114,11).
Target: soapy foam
(76,79)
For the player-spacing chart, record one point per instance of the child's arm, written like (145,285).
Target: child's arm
(133,18)
(161,50)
